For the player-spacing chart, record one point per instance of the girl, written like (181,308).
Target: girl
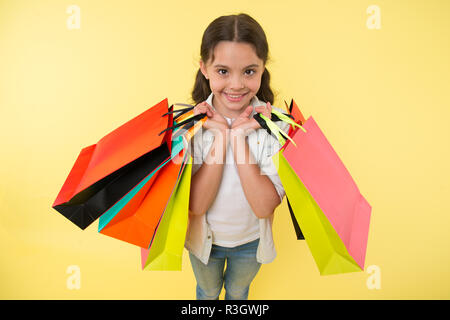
(235,187)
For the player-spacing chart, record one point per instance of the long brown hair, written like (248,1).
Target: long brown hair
(238,28)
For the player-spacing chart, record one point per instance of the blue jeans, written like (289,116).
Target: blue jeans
(242,268)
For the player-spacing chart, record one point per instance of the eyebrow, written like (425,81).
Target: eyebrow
(223,66)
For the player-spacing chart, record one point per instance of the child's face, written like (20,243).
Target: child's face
(234,76)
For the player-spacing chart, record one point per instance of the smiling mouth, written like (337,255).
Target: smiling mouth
(234,97)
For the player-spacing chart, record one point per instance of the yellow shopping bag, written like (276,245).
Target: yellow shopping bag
(165,252)
(327,248)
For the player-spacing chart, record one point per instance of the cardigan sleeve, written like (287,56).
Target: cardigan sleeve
(196,151)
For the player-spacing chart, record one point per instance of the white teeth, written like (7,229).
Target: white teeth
(231,96)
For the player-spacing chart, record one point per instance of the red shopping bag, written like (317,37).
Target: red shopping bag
(106,171)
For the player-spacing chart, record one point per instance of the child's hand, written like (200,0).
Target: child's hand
(265,110)
(216,122)
(244,125)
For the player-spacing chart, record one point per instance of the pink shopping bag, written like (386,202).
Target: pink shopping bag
(330,184)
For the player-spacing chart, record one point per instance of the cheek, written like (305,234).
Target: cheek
(217,84)
(254,85)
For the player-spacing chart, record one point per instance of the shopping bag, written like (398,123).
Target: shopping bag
(295,112)
(165,252)
(298,117)
(333,215)
(104,172)
(297,229)
(128,204)
(138,225)
(295,118)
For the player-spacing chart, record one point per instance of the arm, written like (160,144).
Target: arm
(206,181)
(258,188)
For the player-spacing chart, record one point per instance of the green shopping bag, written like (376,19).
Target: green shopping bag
(327,248)
(165,252)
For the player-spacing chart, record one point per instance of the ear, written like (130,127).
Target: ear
(203,69)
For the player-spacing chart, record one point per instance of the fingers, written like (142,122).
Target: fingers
(212,121)
(203,107)
(215,125)
(265,110)
(269,110)
(247,111)
(210,111)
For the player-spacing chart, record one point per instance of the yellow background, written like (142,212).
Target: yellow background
(380,96)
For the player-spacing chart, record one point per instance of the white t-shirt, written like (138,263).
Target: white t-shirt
(230,217)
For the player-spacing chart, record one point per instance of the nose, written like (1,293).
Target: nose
(236,83)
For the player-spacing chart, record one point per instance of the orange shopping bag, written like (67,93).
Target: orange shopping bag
(138,225)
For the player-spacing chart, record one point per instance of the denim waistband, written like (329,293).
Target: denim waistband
(247,245)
